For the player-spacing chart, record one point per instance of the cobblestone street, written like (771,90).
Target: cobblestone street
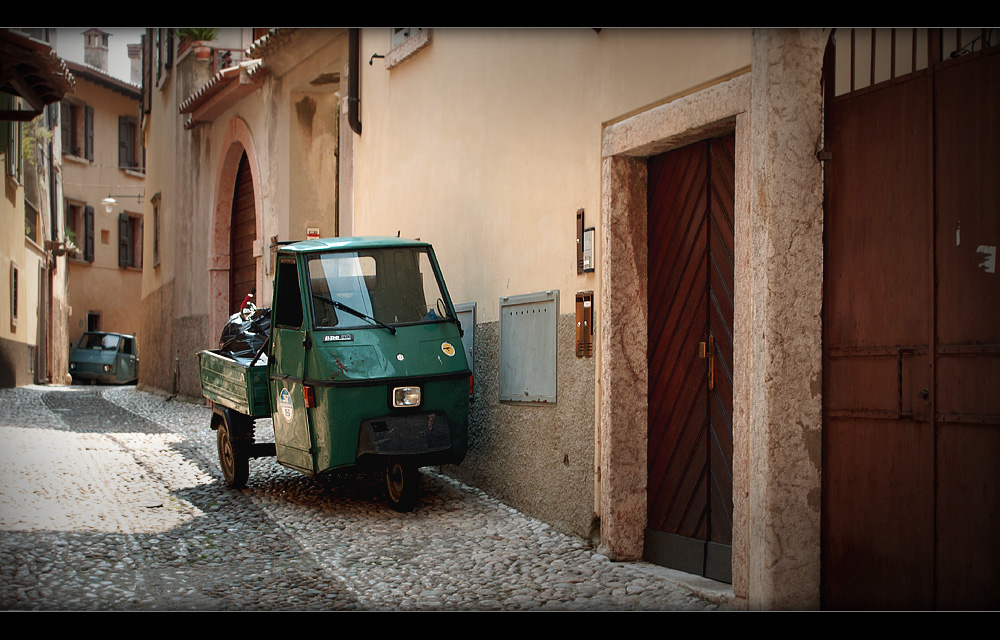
(111,499)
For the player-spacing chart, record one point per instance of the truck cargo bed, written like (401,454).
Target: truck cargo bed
(233,383)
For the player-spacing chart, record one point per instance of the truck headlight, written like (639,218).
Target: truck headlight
(406,397)
(107,368)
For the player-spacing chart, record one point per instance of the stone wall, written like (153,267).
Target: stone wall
(536,458)
(155,339)
(190,337)
(16,360)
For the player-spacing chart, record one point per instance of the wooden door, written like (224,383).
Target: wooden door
(243,266)
(690,356)
(911,435)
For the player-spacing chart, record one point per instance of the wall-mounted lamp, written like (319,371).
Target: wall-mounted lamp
(110,201)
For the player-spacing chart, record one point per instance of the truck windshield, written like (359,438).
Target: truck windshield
(100,342)
(393,286)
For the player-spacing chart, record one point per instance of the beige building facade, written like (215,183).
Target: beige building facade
(33,286)
(103,160)
(532,160)
(25,275)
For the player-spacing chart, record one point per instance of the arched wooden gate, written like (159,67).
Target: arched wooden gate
(243,232)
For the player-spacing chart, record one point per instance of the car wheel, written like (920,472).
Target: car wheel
(234,462)
(402,481)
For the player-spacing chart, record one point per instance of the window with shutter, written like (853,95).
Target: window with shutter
(14,283)
(124,159)
(155,201)
(168,57)
(89,133)
(66,125)
(124,241)
(147,66)
(158,47)
(10,144)
(126,142)
(88,226)
(129,241)
(77,129)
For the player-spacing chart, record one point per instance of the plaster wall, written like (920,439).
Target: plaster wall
(160,129)
(514,450)
(58,337)
(487,141)
(156,344)
(312,166)
(309,87)
(177,285)
(12,240)
(106,291)
(17,341)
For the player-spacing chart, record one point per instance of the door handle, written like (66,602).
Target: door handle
(708,351)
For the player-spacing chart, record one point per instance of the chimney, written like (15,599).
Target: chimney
(135,62)
(95,48)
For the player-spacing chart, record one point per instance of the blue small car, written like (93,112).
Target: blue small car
(105,357)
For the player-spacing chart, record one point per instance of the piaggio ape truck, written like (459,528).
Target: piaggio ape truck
(363,367)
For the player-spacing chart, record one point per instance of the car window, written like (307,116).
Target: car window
(100,342)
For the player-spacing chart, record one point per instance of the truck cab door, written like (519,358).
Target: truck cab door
(292,437)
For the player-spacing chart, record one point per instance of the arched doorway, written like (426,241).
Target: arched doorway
(243,233)
(235,255)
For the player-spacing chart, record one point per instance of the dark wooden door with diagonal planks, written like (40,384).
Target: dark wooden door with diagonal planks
(690,356)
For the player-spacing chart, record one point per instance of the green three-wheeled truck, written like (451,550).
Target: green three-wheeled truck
(363,366)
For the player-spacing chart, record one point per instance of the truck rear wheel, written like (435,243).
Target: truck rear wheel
(233,459)
(402,480)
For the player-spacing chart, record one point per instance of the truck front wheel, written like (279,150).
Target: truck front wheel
(234,461)
(402,480)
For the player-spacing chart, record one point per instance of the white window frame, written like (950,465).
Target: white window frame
(406,42)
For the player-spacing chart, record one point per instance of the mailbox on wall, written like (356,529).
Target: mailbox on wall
(528,347)
(584,324)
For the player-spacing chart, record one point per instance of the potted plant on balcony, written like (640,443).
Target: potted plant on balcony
(199,39)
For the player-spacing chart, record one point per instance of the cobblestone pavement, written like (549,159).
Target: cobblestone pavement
(111,499)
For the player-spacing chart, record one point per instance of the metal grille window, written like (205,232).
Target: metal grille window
(406,41)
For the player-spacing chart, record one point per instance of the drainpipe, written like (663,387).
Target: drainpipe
(353,79)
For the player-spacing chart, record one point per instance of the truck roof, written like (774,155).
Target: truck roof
(346,244)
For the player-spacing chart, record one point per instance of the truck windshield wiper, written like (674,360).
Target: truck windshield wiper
(363,316)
